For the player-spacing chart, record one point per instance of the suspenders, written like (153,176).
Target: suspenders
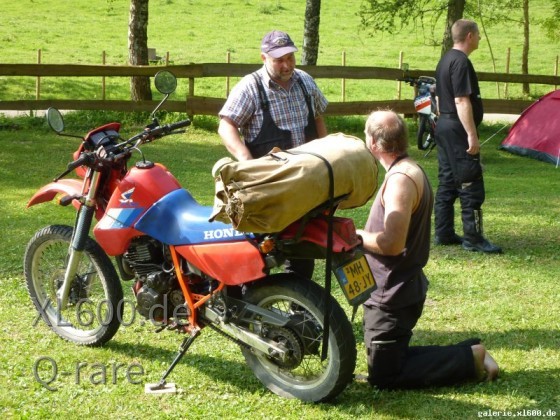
(310,129)
(264,98)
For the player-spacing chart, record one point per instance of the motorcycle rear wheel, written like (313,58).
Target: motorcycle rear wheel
(303,376)
(94,310)
(425,136)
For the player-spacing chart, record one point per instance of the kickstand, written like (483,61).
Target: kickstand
(182,350)
(430,149)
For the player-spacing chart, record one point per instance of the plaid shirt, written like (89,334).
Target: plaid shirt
(287,108)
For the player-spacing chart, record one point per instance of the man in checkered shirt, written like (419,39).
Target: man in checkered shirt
(278,105)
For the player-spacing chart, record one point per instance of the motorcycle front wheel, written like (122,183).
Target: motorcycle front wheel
(94,310)
(302,375)
(425,136)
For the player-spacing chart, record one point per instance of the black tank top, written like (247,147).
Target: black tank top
(400,278)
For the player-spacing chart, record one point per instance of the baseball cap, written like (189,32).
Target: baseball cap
(277,44)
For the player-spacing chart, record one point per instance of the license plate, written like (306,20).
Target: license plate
(356,279)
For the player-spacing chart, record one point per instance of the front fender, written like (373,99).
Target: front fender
(51,190)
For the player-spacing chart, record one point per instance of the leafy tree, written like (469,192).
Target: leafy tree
(552,23)
(311,32)
(393,16)
(138,48)
(455,12)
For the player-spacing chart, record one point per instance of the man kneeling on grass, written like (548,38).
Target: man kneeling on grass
(397,240)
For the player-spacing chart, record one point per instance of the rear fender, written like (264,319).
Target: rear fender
(315,231)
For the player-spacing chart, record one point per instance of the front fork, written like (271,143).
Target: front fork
(79,238)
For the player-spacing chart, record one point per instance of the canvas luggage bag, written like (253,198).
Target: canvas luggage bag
(266,195)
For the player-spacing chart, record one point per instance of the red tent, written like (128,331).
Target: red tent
(536,133)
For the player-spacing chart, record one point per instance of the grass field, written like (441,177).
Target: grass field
(191,31)
(511,301)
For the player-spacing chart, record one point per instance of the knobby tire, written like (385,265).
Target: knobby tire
(303,302)
(94,310)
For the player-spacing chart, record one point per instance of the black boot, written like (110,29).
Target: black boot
(474,239)
(483,246)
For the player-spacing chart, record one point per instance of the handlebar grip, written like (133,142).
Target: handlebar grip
(180,124)
(84,158)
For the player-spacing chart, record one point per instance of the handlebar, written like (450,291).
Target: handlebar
(85,158)
(82,160)
(150,132)
(166,129)
(178,125)
(417,81)
(114,152)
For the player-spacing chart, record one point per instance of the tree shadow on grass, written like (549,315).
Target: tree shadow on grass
(359,399)
(512,339)
(216,367)
(534,385)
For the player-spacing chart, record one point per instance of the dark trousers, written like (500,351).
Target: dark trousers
(459,176)
(303,267)
(393,364)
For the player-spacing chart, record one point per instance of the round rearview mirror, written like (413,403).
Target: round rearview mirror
(165,82)
(55,120)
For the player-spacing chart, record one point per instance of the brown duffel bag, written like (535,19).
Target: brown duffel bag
(266,195)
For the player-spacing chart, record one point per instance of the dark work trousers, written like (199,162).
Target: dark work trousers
(303,267)
(459,176)
(392,364)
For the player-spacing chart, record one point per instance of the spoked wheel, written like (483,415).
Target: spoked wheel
(425,135)
(94,310)
(302,374)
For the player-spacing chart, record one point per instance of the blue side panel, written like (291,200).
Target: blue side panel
(119,218)
(177,219)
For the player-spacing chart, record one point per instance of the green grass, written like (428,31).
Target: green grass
(509,300)
(191,31)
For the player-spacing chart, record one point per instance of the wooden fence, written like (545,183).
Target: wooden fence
(200,105)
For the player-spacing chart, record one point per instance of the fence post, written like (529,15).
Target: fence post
(508,58)
(190,93)
(104,61)
(38,82)
(556,71)
(399,83)
(228,60)
(343,82)
(167,58)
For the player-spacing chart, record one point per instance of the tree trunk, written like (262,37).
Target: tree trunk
(455,9)
(311,32)
(525,58)
(138,48)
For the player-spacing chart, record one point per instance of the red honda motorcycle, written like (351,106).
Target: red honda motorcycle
(188,273)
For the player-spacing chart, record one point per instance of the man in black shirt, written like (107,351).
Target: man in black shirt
(460,170)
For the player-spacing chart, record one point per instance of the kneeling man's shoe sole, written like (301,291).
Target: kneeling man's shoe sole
(483,246)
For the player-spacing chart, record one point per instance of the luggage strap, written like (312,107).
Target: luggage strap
(328,262)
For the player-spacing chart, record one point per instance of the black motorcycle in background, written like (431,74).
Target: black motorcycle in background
(426,107)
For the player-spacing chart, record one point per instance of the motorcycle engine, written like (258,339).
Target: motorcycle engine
(158,295)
